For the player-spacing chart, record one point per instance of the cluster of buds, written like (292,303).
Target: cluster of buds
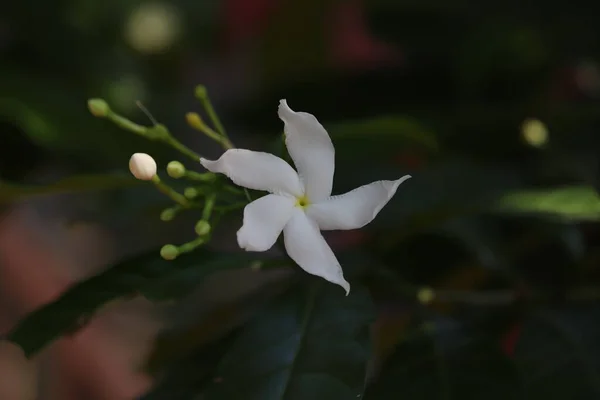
(205,190)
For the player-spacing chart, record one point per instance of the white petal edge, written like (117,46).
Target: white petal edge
(257,170)
(354,209)
(264,219)
(307,247)
(311,149)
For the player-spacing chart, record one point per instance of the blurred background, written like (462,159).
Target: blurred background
(487,260)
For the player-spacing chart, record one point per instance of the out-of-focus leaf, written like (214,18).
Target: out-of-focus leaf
(186,378)
(148,274)
(13,191)
(449,189)
(54,116)
(558,353)
(430,366)
(574,203)
(380,137)
(310,344)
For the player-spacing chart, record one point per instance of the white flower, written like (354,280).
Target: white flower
(300,204)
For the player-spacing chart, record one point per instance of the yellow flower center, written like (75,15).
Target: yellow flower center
(302,202)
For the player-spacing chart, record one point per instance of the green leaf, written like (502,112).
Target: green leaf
(79,183)
(574,203)
(446,365)
(380,137)
(54,115)
(148,274)
(310,344)
(445,190)
(558,353)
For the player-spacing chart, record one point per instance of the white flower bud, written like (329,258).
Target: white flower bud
(142,166)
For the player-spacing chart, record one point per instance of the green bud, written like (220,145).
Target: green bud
(202,228)
(195,121)
(191,193)
(168,214)
(426,295)
(169,252)
(175,169)
(98,107)
(201,92)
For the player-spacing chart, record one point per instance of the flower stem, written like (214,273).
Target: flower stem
(208,206)
(126,124)
(190,246)
(167,190)
(204,98)
(176,144)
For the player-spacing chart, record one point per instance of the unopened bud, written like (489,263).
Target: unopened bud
(191,193)
(256,266)
(142,166)
(167,214)
(201,92)
(202,228)
(175,169)
(194,120)
(169,252)
(98,107)
(426,295)
(534,132)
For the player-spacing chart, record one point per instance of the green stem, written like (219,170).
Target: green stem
(126,124)
(210,110)
(190,246)
(167,190)
(208,206)
(222,140)
(200,177)
(182,148)
(231,207)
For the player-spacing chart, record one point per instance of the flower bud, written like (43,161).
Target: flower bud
(175,169)
(142,166)
(194,120)
(191,193)
(200,92)
(169,252)
(425,295)
(202,228)
(98,107)
(167,214)
(534,132)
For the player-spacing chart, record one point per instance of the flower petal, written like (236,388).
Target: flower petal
(311,149)
(307,247)
(354,209)
(264,220)
(257,170)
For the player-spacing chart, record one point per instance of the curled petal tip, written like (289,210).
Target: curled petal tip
(398,182)
(284,109)
(346,287)
(206,163)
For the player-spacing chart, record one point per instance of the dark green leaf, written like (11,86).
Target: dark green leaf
(558,354)
(12,191)
(148,274)
(432,365)
(310,344)
(53,115)
(380,137)
(573,203)
(448,189)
